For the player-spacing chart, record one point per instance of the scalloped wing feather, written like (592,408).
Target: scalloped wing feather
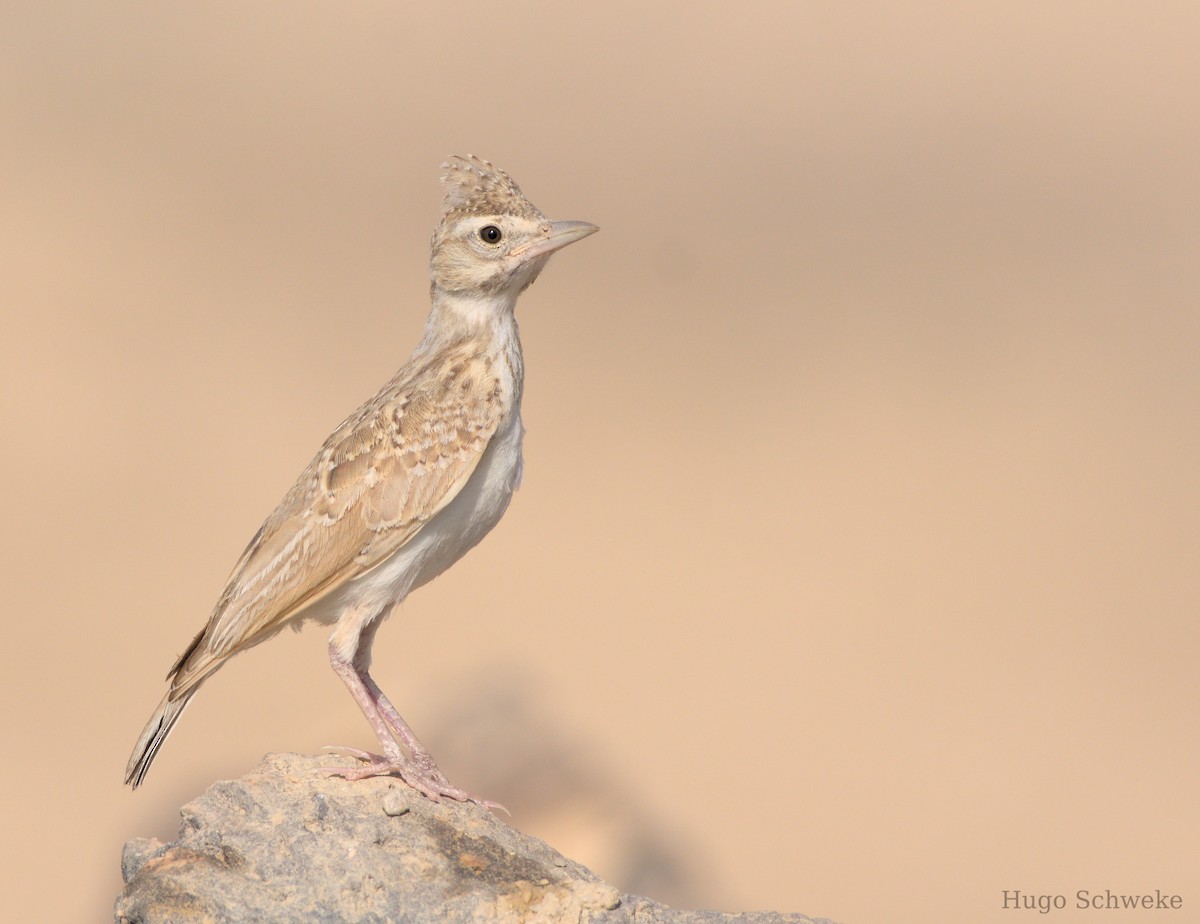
(388,469)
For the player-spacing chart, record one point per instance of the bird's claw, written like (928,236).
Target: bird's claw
(421,775)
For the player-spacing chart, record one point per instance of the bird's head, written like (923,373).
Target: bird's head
(492,241)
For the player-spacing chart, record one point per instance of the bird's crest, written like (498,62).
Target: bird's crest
(475,187)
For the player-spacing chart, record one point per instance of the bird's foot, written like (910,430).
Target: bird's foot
(421,774)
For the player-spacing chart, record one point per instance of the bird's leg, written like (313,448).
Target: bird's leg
(396,724)
(393,760)
(366,702)
(398,727)
(419,771)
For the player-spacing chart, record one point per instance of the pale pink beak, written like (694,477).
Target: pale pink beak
(562,233)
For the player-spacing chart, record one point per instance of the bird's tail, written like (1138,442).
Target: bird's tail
(154,734)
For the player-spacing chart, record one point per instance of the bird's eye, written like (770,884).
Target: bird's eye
(490,234)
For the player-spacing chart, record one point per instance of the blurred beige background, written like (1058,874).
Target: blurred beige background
(855,568)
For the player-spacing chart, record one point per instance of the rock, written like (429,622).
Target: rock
(287,843)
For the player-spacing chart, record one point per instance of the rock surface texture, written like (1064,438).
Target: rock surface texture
(288,843)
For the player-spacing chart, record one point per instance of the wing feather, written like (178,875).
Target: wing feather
(390,467)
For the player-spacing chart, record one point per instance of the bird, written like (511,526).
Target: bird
(403,487)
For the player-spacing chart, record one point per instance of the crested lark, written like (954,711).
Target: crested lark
(404,487)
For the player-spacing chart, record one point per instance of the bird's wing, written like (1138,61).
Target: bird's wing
(388,469)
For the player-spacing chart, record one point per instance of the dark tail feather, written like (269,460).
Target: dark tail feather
(153,735)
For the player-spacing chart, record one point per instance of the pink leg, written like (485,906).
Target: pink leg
(399,728)
(418,770)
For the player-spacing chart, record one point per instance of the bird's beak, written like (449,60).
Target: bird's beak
(561,234)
